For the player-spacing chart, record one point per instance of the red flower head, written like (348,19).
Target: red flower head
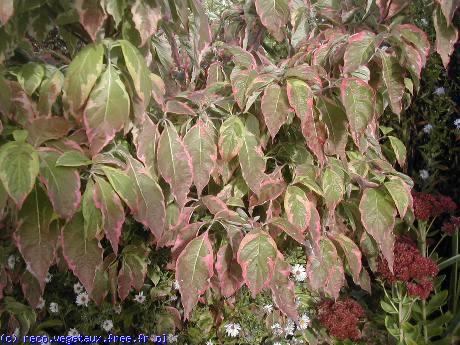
(450,226)
(341,318)
(427,206)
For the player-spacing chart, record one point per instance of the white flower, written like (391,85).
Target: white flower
(276,328)
(424,21)
(78,288)
(41,303)
(290,327)
(384,48)
(173,298)
(268,308)
(172,338)
(11,262)
(457,123)
(299,273)
(117,309)
(209,342)
(107,325)
(82,299)
(140,298)
(73,333)
(48,278)
(54,307)
(232,329)
(176,285)
(304,321)
(439,91)
(16,332)
(427,128)
(424,174)
(297,301)
(277,343)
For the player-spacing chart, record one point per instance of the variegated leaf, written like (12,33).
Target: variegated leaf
(91,214)
(228,271)
(146,142)
(393,76)
(43,129)
(297,207)
(145,17)
(6,11)
(336,121)
(274,15)
(283,289)
(133,269)
(92,16)
(352,253)
(275,108)
(252,162)
(361,47)
(401,194)
(231,137)
(446,36)
(49,91)
(30,76)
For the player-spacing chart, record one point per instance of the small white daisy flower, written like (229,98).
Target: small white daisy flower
(176,285)
(209,342)
(304,322)
(73,333)
(82,299)
(299,273)
(117,309)
(424,174)
(41,303)
(268,308)
(427,128)
(289,328)
(276,329)
(173,298)
(457,123)
(384,48)
(54,307)
(48,278)
(11,262)
(424,21)
(172,338)
(78,288)
(107,325)
(232,329)
(439,91)
(277,343)
(140,298)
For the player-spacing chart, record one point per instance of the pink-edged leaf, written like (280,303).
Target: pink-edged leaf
(175,164)
(107,110)
(301,99)
(414,35)
(390,8)
(200,142)
(314,230)
(178,107)
(36,236)
(176,219)
(81,250)
(175,314)
(92,16)
(378,217)
(91,214)
(448,8)
(194,269)
(352,253)
(275,108)
(228,271)
(325,269)
(113,214)
(333,186)
(297,207)
(43,129)
(241,57)
(215,74)
(401,194)
(214,204)
(62,183)
(274,15)
(446,36)
(358,98)
(393,76)
(270,189)
(133,269)
(231,137)
(50,89)
(146,142)
(25,110)
(256,255)
(6,11)
(145,18)
(336,121)
(283,288)
(361,47)
(31,289)
(241,80)
(185,235)
(290,229)
(158,89)
(252,162)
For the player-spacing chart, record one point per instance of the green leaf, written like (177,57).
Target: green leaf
(378,217)
(388,308)
(361,47)
(399,149)
(91,214)
(49,91)
(231,137)
(82,252)
(81,76)
(297,207)
(335,119)
(437,301)
(194,268)
(352,253)
(241,80)
(133,269)
(19,166)
(30,77)
(116,9)
(358,99)
(400,192)
(274,15)
(275,108)
(393,76)
(62,183)
(200,142)
(252,162)
(256,255)
(73,158)
(333,187)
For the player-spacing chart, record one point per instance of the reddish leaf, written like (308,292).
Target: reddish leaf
(283,288)
(274,15)
(175,164)
(92,16)
(177,107)
(215,74)
(82,252)
(446,36)
(275,108)
(252,162)
(30,289)
(352,253)
(185,235)
(361,47)
(43,129)
(241,79)
(133,269)
(113,214)
(145,18)
(213,204)
(228,271)
(6,10)
(290,229)
(146,142)
(194,268)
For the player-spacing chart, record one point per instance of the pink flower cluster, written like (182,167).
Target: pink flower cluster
(409,267)
(427,206)
(451,225)
(341,318)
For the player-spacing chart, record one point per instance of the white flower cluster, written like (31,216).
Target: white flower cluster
(290,327)
(232,329)
(299,273)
